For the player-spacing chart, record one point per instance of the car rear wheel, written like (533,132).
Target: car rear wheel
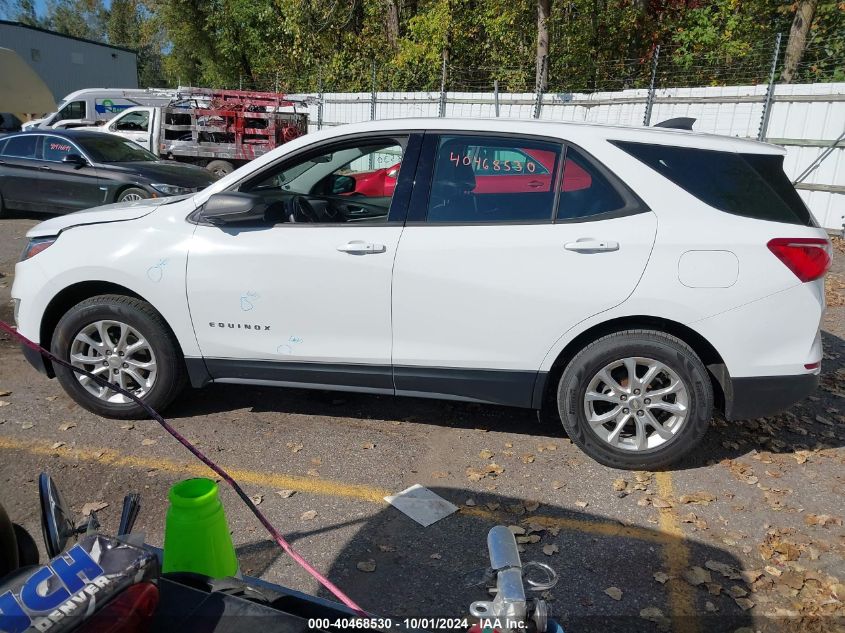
(132,194)
(636,399)
(125,341)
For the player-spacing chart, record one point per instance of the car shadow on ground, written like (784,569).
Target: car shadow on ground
(806,426)
(394,567)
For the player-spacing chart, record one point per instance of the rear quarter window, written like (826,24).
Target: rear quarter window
(749,185)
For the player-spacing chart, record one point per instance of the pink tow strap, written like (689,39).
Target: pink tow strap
(277,536)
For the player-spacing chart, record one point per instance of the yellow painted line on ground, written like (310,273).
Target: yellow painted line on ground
(676,558)
(317,486)
(197,469)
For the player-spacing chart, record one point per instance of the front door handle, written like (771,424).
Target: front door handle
(590,245)
(359,247)
(535,184)
(46,168)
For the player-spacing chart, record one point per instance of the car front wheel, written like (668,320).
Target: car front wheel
(132,194)
(126,342)
(637,399)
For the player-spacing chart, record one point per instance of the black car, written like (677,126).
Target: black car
(68,170)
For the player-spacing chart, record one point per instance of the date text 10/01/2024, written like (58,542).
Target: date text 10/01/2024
(431,624)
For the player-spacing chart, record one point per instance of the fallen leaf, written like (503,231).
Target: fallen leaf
(657,502)
(368,446)
(516,530)
(308,515)
(557,485)
(127,427)
(93,506)
(710,607)
(492,506)
(5,393)
(368,566)
(4,403)
(726,570)
(619,484)
(286,494)
(485,454)
(744,603)
(737,592)
(257,499)
(474,474)
(57,445)
(470,503)
(50,398)
(528,458)
(312,473)
(548,550)
(27,425)
(645,501)
(436,556)
(701,497)
(316,461)
(581,504)
(614,592)
(531,506)
(773,571)
(295,447)
(661,577)
(387,548)
(697,576)
(146,442)
(713,588)
(494,469)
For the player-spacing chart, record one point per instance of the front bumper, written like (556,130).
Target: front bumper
(748,398)
(35,359)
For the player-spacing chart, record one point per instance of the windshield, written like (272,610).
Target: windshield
(111,149)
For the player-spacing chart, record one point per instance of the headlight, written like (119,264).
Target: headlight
(36,245)
(172,190)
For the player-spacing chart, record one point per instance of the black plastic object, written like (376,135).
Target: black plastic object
(131,508)
(678,123)
(56,518)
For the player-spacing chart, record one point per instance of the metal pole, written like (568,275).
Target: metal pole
(819,159)
(320,102)
(240,82)
(442,112)
(373,96)
(650,99)
(496,96)
(538,103)
(770,92)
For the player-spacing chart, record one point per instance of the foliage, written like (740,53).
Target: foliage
(594,44)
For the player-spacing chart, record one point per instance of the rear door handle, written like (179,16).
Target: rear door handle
(46,168)
(359,247)
(590,245)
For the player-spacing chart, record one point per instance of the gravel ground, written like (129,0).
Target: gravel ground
(746,533)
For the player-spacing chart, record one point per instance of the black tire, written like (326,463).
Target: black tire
(220,167)
(4,212)
(141,316)
(659,346)
(128,194)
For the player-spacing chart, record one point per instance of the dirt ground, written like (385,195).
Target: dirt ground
(746,534)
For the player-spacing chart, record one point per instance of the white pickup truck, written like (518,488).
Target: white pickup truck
(219,134)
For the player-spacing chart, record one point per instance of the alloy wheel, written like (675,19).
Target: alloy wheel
(118,353)
(636,404)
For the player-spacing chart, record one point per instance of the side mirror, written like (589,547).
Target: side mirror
(233,208)
(342,184)
(74,159)
(56,517)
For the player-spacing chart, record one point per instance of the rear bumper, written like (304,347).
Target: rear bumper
(747,398)
(37,360)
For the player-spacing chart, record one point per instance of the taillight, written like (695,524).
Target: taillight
(36,245)
(807,257)
(131,611)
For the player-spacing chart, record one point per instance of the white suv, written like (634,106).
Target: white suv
(631,278)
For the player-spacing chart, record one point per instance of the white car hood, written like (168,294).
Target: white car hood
(117,212)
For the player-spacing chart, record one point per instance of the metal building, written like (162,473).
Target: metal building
(67,63)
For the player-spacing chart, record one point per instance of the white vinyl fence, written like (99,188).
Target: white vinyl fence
(807,119)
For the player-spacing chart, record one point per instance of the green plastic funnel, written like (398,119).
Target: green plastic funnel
(196,536)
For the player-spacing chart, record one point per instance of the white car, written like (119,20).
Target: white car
(633,279)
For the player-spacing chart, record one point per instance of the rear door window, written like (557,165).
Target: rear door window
(21,146)
(750,185)
(481,179)
(586,191)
